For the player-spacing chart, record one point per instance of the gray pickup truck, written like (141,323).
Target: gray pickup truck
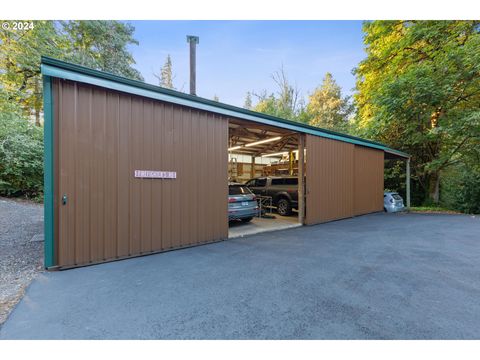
(282,189)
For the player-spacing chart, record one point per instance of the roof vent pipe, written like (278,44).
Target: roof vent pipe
(193,40)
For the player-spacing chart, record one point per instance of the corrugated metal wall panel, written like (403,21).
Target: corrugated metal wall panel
(103,136)
(329,180)
(55,175)
(368,188)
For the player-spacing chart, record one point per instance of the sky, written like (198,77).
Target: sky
(234,57)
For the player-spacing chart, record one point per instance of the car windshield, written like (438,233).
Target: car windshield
(396,197)
(238,190)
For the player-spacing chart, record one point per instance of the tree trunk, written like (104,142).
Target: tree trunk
(37,117)
(37,103)
(434,187)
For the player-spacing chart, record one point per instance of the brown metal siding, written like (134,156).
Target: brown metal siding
(103,136)
(329,180)
(56,111)
(368,180)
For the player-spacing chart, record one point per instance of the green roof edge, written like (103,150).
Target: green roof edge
(67,71)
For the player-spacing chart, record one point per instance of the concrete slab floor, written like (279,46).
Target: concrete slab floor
(261,225)
(379,276)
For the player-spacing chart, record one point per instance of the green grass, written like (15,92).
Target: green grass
(433,209)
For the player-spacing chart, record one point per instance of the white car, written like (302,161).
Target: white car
(392,202)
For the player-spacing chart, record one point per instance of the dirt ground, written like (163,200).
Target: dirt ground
(21,250)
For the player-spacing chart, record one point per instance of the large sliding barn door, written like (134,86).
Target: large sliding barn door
(368,188)
(329,180)
(104,212)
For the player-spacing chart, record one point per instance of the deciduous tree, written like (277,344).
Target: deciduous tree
(20,54)
(101,45)
(285,103)
(419,91)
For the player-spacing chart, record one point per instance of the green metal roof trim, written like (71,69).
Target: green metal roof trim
(64,70)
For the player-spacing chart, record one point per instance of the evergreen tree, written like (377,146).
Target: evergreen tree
(165,79)
(248,101)
(327,108)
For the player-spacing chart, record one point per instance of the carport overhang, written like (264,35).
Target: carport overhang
(391,154)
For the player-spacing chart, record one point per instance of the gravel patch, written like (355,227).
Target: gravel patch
(21,250)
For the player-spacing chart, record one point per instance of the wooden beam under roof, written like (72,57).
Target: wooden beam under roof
(253,125)
(254,135)
(258,150)
(244,132)
(275,146)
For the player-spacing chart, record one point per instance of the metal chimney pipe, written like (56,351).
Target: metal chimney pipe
(193,40)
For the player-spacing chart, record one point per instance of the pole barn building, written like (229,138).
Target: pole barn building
(133,169)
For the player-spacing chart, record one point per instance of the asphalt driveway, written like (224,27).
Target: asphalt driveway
(404,276)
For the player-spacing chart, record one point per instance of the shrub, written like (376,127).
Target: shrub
(21,156)
(461,189)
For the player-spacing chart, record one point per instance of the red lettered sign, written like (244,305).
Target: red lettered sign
(151,174)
